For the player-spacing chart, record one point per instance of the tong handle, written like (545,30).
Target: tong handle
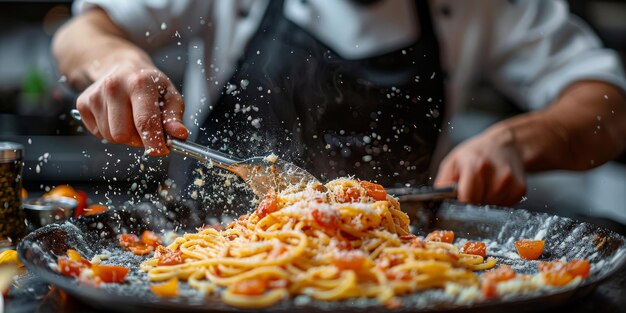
(201,153)
(188,148)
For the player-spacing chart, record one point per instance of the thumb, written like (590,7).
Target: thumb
(447,174)
(172,112)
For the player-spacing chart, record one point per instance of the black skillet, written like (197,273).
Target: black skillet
(564,237)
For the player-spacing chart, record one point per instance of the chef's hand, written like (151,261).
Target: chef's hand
(488,169)
(133,103)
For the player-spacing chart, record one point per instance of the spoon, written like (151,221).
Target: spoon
(260,173)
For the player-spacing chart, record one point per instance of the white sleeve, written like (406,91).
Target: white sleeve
(538,48)
(154,23)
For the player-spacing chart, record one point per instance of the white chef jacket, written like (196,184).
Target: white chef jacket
(529,50)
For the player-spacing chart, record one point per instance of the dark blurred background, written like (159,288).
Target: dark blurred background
(35,105)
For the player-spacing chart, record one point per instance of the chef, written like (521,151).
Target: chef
(354,87)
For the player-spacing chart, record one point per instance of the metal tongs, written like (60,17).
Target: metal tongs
(260,173)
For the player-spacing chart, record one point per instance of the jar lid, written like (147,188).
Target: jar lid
(10,151)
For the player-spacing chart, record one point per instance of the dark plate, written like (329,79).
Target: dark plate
(499,227)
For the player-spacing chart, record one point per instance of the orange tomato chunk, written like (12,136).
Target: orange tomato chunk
(128,240)
(151,239)
(557,279)
(475,248)
(502,273)
(579,268)
(529,249)
(168,289)
(327,218)
(350,194)
(349,260)
(268,205)
(69,267)
(94,209)
(374,191)
(75,256)
(167,256)
(441,235)
(109,273)
(249,287)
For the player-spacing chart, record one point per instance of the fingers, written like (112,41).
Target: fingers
(119,114)
(483,179)
(144,98)
(82,105)
(172,112)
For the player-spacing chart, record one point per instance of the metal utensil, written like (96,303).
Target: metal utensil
(260,173)
(424,193)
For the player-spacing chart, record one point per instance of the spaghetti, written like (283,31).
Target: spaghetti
(344,240)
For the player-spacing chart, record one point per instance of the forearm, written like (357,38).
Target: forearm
(87,47)
(585,127)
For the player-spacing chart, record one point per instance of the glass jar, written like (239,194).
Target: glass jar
(12,218)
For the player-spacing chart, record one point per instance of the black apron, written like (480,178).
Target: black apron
(376,118)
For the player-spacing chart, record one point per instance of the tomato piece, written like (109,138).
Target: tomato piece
(140,249)
(578,268)
(327,218)
(349,260)
(529,249)
(475,248)
(149,238)
(350,194)
(95,209)
(167,256)
(128,240)
(109,273)
(557,279)
(168,289)
(68,267)
(441,235)
(249,287)
(553,266)
(502,273)
(489,289)
(75,256)
(374,191)
(61,191)
(268,205)
(81,198)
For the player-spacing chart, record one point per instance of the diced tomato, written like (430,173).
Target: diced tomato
(268,205)
(579,268)
(349,260)
(167,256)
(70,267)
(350,194)
(558,273)
(557,279)
(489,289)
(553,266)
(374,191)
(502,273)
(250,287)
(82,198)
(128,240)
(75,256)
(139,249)
(168,289)
(327,218)
(529,249)
(151,239)
(94,209)
(441,235)
(109,273)
(475,248)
